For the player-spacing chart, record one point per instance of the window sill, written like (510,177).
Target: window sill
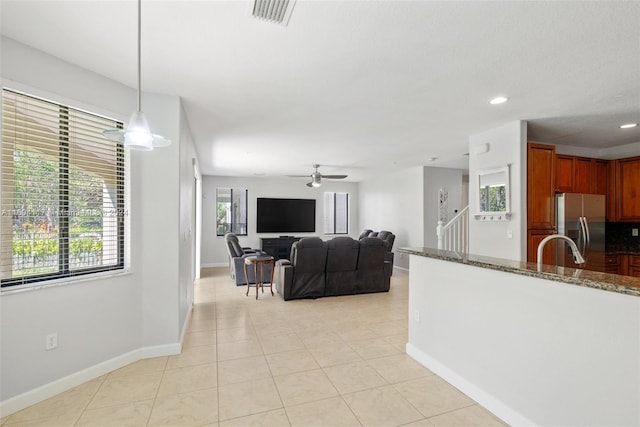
(63,282)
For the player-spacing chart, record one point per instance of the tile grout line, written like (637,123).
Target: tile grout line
(106,376)
(349,344)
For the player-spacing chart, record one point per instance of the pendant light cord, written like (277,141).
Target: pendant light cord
(139,54)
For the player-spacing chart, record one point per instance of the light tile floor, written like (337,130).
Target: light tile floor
(336,361)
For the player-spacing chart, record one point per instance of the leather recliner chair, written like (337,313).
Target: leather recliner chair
(388,237)
(342,261)
(304,275)
(237,255)
(365,233)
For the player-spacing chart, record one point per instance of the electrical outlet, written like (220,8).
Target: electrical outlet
(634,232)
(416,316)
(509,234)
(51,341)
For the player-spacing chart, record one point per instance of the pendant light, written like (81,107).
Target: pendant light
(137,136)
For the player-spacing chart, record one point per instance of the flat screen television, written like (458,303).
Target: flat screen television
(285,215)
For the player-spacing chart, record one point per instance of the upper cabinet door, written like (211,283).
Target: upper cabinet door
(599,177)
(540,186)
(564,174)
(582,175)
(628,189)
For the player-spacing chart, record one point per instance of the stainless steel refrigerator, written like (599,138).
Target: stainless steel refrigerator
(582,218)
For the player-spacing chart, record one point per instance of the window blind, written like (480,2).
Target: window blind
(336,213)
(62,186)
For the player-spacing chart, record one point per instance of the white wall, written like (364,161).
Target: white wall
(187,212)
(394,202)
(434,180)
(533,351)
(157,199)
(508,146)
(214,252)
(104,322)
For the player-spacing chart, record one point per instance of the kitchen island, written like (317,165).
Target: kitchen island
(560,346)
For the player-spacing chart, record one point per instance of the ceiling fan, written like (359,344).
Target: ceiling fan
(316,177)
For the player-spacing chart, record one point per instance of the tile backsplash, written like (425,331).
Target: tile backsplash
(619,234)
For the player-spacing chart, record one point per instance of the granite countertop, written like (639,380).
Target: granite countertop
(609,282)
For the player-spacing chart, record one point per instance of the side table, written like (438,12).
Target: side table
(255,262)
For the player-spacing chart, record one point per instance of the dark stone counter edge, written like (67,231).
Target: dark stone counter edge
(591,279)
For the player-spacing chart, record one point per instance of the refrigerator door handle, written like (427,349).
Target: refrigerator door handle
(582,236)
(586,230)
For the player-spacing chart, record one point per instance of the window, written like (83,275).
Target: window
(62,188)
(231,211)
(336,213)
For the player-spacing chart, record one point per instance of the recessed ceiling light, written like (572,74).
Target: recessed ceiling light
(498,100)
(628,125)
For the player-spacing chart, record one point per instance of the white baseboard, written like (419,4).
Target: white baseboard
(489,402)
(185,326)
(31,397)
(214,264)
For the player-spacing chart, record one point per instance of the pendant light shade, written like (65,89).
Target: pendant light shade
(137,135)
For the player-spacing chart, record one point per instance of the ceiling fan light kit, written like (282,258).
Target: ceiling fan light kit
(316,177)
(137,136)
(316,180)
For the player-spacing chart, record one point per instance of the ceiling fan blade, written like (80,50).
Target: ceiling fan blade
(298,176)
(335,176)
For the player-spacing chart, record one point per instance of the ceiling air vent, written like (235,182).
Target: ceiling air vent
(276,11)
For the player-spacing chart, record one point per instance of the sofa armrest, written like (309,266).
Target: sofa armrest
(389,257)
(284,277)
(238,270)
(388,264)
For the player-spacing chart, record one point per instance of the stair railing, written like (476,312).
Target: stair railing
(454,235)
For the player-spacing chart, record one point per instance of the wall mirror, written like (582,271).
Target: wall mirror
(493,194)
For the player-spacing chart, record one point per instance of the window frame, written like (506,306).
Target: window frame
(334,213)
(231,214)
(65,163)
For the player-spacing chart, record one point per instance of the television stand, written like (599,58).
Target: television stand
(278,247)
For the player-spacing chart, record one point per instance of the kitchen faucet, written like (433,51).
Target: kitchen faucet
(577,256)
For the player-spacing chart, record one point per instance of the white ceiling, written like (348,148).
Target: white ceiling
(359,86)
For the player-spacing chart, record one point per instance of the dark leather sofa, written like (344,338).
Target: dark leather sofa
(341,266)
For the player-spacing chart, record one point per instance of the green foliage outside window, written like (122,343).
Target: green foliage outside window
(37,219)
(493,198)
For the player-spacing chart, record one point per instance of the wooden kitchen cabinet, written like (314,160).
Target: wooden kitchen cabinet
(599,177)
(541,201)
(612,264)
(581,175)
(634,266)
(630,265)
(612,200)
(534,237)
(540,186)
(627,189)
(564,174)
